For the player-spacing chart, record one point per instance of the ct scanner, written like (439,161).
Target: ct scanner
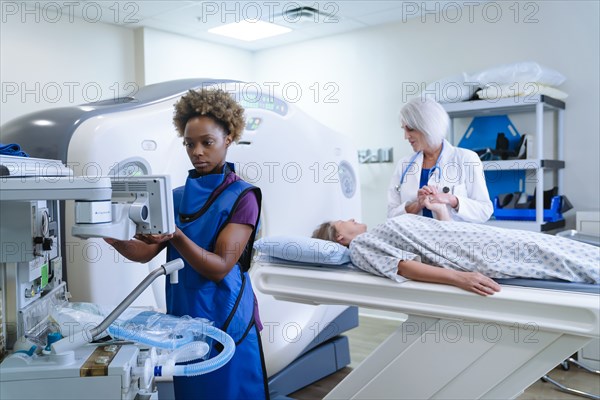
(286,153)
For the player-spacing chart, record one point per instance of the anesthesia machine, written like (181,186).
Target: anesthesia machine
(49,353)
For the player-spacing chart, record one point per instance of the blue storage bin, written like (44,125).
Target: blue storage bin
(527,214)
(482,133)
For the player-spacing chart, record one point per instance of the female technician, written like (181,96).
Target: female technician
(437,170)
(216,215)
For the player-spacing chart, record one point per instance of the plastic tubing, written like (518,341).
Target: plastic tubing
(188,352)
(168,367)
(202,367)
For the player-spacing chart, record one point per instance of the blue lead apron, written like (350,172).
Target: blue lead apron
(202,209)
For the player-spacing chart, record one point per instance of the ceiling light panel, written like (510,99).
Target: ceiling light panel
(250,31)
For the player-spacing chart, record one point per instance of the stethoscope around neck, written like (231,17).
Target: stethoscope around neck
(436,167)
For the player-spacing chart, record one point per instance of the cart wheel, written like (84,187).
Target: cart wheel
(565,365)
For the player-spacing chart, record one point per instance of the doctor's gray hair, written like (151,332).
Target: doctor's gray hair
(427,116)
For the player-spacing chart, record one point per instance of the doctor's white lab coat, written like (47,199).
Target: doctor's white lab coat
(459,170)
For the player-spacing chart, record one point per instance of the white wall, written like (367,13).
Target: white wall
(50,60)
(168,56)
(372,66)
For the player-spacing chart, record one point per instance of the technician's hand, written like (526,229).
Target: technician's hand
(154,239)
(477,283)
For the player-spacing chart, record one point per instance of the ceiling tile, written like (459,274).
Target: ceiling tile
(384,17)
(353,9)
(147,9)
(333,28)
(198,14)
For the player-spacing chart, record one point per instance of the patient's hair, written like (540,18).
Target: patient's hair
(427,116)
(325,231)
(216,104)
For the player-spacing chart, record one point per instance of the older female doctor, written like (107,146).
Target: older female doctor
(437,170)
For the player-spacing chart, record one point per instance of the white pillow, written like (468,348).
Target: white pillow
(303,249)
(529,89)
(507,74)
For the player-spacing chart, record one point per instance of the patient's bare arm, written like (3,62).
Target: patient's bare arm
(469,281)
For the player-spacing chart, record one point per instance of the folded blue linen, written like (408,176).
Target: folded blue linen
(12,149)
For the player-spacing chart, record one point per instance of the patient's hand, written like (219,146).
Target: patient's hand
(477,283)
(440,209)
(435,196)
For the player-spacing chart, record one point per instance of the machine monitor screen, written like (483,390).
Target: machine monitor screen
(264,102)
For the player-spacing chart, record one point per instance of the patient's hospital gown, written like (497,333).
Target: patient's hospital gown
(494,252)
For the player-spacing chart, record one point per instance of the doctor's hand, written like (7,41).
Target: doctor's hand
(414,207)
(476,283)
(424,195)
(435,196)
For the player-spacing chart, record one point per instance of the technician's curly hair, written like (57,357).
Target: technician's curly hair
(216,104)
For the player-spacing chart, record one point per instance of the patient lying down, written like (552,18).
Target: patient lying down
(413,247)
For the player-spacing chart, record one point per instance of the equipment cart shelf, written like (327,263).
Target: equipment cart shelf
(513,105)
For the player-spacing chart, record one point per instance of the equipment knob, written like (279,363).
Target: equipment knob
(47,244)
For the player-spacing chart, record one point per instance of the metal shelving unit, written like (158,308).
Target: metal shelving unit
(513,105)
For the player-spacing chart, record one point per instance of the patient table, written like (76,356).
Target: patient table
(454,344)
